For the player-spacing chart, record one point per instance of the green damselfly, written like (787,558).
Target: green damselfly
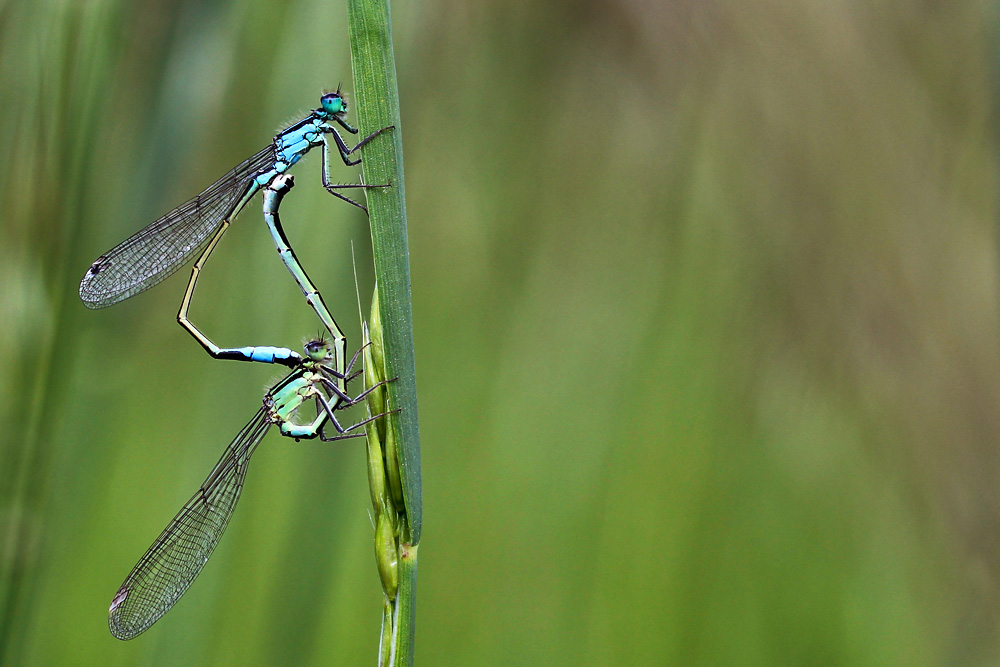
(178,555)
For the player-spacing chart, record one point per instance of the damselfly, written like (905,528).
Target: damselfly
(154,253)
(178,555)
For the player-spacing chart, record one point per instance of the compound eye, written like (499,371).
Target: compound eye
(316,350)
(333,103)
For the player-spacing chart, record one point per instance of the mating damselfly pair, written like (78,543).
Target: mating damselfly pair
(319,378)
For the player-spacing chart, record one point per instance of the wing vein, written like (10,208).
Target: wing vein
(180,552)
(154,253)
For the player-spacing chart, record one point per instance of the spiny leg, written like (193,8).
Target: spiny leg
(347,401)
(347,376)
(344,433)
(331,187)
(342,147)
(325,413)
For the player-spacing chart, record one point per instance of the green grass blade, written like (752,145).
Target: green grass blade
(378,107)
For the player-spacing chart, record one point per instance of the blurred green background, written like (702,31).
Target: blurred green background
(705,302)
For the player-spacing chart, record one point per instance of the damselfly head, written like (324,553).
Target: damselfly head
(317,349)
(334,103)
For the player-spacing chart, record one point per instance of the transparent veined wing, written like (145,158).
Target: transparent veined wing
(178,555)
(153,254)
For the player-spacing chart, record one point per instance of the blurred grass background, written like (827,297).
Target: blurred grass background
(705,314)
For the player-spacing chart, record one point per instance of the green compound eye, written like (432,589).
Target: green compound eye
(317,350)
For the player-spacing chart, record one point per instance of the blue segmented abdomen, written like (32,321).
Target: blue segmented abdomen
(266,353)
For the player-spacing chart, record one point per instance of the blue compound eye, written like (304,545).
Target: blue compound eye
(332,103)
